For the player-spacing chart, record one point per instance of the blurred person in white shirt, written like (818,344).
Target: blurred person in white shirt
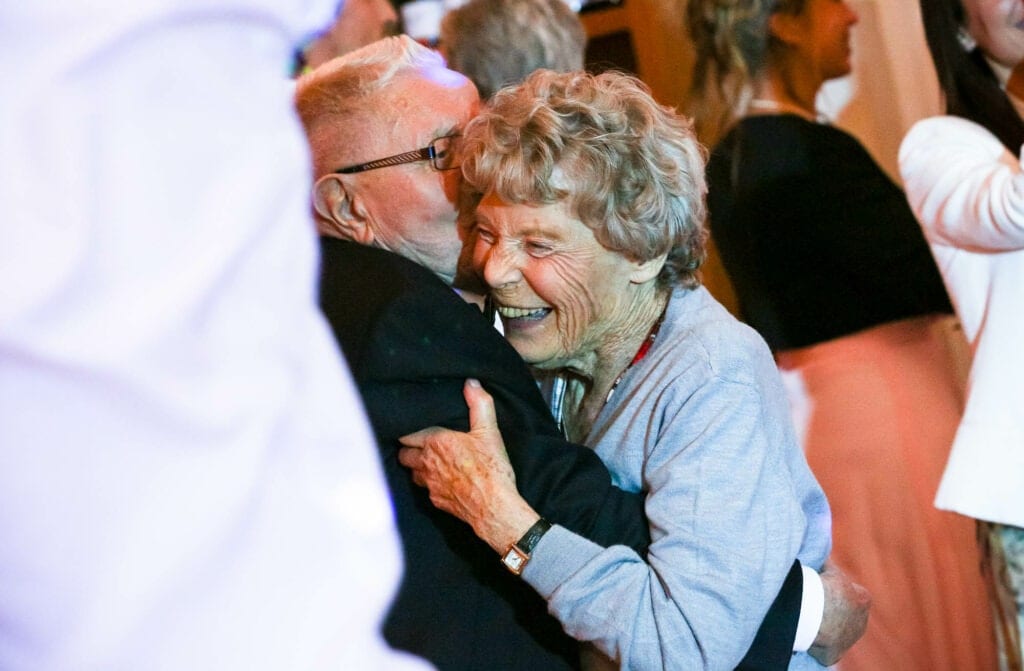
(187,479)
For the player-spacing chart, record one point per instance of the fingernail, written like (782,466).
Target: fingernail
(473,382)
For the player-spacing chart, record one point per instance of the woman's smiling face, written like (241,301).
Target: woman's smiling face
(560,293)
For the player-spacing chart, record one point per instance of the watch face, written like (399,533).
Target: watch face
(514,560)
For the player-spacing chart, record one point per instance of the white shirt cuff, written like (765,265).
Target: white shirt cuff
(812,610)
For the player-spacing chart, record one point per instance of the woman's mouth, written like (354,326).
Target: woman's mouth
(523,314)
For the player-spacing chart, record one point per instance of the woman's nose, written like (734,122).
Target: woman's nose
(500,267)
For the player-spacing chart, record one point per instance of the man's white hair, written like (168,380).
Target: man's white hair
(377,63)
(344,94)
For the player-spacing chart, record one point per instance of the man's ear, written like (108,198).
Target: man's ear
(338,210)
(645,271)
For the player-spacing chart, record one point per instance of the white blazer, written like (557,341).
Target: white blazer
(968,193)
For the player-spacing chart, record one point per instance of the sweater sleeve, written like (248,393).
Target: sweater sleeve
(964,186)
(725,526)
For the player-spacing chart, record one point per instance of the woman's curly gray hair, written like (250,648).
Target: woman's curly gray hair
(630,169)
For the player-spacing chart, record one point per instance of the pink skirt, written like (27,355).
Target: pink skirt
(876,412)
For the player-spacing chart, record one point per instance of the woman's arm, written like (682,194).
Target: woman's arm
(723,543)
(965,188)
(725,527)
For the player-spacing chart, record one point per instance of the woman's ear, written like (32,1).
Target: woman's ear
(338,212)
(785,27)
(645,271)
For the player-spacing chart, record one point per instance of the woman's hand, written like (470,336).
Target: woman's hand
(469,474)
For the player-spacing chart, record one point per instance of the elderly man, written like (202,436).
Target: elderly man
(381,122)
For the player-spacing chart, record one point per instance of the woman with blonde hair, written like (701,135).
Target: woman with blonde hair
(830,266)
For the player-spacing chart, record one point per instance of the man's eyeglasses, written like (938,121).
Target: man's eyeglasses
(441,154)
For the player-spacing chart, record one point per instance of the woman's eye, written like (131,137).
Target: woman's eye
(538,248)
(484,235)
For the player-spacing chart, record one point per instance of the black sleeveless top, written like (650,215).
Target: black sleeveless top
(818,242)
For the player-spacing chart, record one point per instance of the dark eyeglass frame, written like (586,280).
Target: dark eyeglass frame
(428,153)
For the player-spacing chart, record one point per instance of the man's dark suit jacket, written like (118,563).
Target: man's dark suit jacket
(411,342)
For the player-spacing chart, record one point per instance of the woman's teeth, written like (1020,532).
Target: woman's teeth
(523,313)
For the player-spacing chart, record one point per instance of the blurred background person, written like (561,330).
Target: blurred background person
(977,47)
(187,479)
(830,266)
(964,182)
(356,24)
(500,42)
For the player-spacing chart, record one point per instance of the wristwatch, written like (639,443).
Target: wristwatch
(518,553)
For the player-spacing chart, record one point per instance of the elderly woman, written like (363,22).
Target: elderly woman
(587,210)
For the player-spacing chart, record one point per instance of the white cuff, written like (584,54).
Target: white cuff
(812,610)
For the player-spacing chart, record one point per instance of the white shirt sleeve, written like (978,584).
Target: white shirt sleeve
(812,610)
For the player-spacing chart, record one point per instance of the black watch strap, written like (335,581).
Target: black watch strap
(533,535)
